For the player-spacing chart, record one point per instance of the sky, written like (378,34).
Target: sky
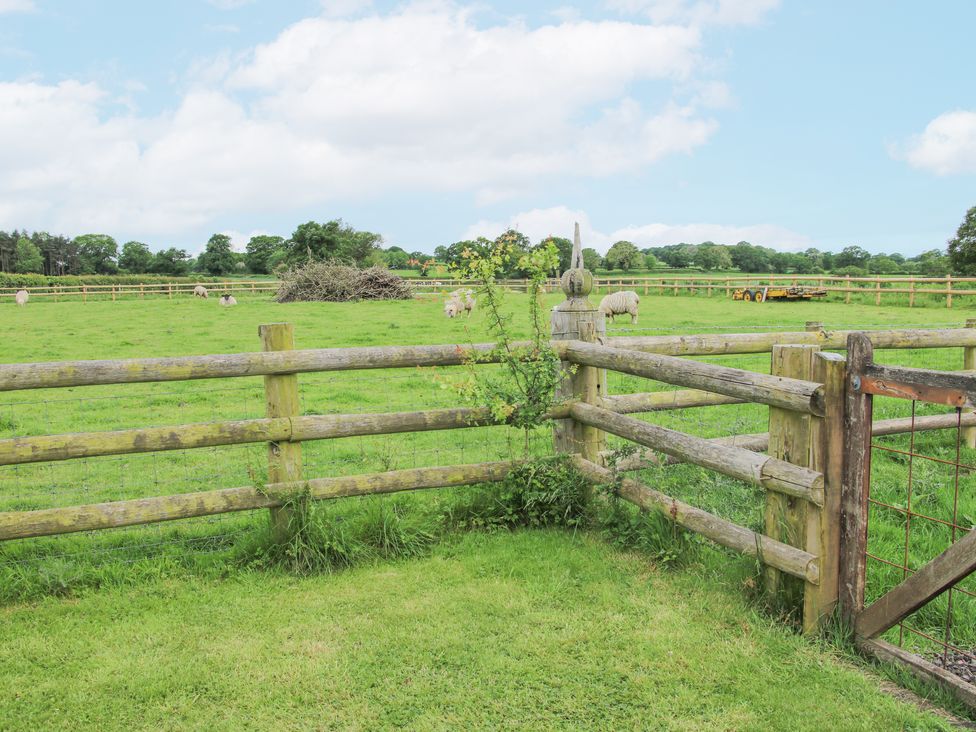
(786,123)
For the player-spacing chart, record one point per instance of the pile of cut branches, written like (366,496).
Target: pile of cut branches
(336,282)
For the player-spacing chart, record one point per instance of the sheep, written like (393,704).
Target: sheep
(618,303)
(21,297)
(201,291)
(452,307)
(227,300)
(464,297)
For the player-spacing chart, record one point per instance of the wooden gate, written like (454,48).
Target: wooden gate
(907,542)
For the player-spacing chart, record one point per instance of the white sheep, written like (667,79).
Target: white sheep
(227,300)
(21,297)
(201,291)
(618,303)
(452,307)
(465,299)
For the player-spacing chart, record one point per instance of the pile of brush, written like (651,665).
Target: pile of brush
(336,282)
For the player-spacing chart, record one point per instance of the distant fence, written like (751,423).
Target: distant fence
(129,291)
(883,290)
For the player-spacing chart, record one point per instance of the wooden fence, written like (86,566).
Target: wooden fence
(876,288)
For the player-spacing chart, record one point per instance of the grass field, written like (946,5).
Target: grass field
(167,575)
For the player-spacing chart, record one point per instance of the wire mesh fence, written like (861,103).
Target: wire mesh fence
(921,500)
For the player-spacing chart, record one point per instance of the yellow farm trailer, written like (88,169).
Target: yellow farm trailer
(761,294)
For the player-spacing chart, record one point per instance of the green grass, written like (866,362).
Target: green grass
(184,560)
(532,630)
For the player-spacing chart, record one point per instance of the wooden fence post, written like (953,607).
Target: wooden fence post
(823,522)
(578,319)
(813,326)
(969,363)
(877,291)
(948,282)
(911,291)
(847,289)
(281,397)
(858,409)
(791,437)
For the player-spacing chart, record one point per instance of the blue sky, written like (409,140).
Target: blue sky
(785,123)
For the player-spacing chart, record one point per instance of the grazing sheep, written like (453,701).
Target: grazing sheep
(452,307)
(227,300)
(618,303)
(21,297)
(464,297)
(201,291)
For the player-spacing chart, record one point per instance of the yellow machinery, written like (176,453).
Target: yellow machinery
(761,294)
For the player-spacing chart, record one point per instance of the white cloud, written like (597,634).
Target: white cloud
(17,6)
(337,108)
(948,145)
(559,220)
(698,12)
(239,240)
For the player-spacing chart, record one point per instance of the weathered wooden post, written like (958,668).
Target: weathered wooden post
(823,522)
(791,436)
(877,291)
(969,363)
(281,396)
(847,289)
(911,291)
(813,326)
(578,319)
(948,282)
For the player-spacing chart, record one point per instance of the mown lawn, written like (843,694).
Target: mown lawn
(530,630)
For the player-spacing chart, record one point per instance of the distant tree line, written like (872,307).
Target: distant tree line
(51,255)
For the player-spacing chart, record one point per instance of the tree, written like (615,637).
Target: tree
(331,240)
(750,258)
(882,264)
(171,261)
(933,263)
(8,246)
(650,261)
(135,257)
(517,244)
(98,253)
(678,256)
(962,247)
(27,257)
(711,256)
(852,256)
(624,255)
(218,258)
(565,248)
(258,251)
(592,259)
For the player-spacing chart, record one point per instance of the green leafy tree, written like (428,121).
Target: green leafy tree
(624,255)
(98,253)
(454,255)
(650,261)
(750,258)
(517,245)
(135,257)
(171,261)
(8,247)
(882,264)
(396,258)
(852,256)
(218,258)
(27,257)
(711,256)
(564,247)
(933,263)
(592,259)
(331,240)
(678,256)
(962,247)
(258,251)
